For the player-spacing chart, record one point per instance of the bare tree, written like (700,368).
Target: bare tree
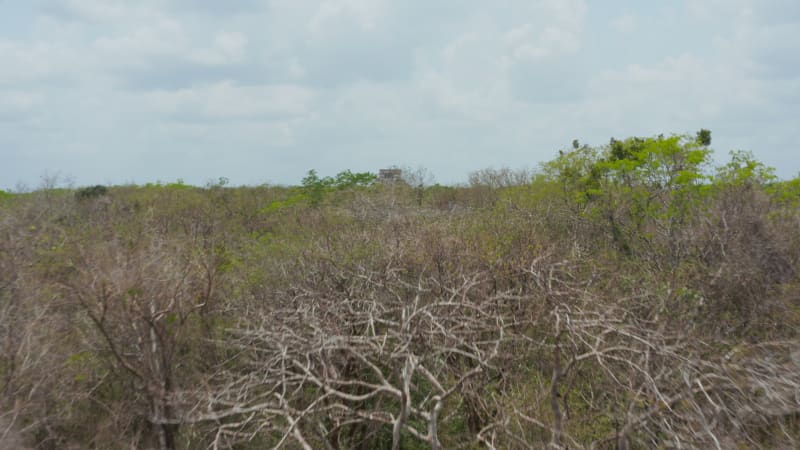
(142,299)
(653,377)
(500,178)
(351,355)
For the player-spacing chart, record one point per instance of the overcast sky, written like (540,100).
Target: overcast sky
(117,91)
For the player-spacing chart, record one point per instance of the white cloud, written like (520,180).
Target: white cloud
(228,47)
(335,13)
(468,78)
(227,100)
(764,48)
(626,23)
(295,70)
(555,28)
(479,74)
(19,105)
(676,91)
(98,10)
(26,63)
(165,37)
(760,12)
(527,43)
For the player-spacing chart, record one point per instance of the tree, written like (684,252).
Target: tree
(315,187)
(704,137)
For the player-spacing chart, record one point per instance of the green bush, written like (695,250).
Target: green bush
(91,192)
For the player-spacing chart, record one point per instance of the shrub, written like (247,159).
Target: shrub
(91,192)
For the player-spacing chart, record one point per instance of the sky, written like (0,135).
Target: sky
(261,91)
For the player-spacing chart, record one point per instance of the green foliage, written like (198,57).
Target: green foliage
(786,193)
(178,185)
(5,196)
(743,169)
(704,137)
(348,179)
(663,163)
(635,189)
(91,192)
(576,172)
(342,180)
(315,188)
(279,205)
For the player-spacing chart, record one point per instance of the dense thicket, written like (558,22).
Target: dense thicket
(628,296)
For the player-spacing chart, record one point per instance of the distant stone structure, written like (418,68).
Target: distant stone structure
(390,175)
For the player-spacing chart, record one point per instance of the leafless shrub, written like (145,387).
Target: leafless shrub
(351,353)
(500,178)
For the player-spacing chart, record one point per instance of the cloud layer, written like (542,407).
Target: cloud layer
(264,90)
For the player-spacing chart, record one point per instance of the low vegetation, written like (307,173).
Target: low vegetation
(622,297)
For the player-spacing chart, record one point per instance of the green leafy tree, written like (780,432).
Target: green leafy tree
(704,137)
(642,189)
(315,187)
(348,179)
(744,169)
(91,192)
